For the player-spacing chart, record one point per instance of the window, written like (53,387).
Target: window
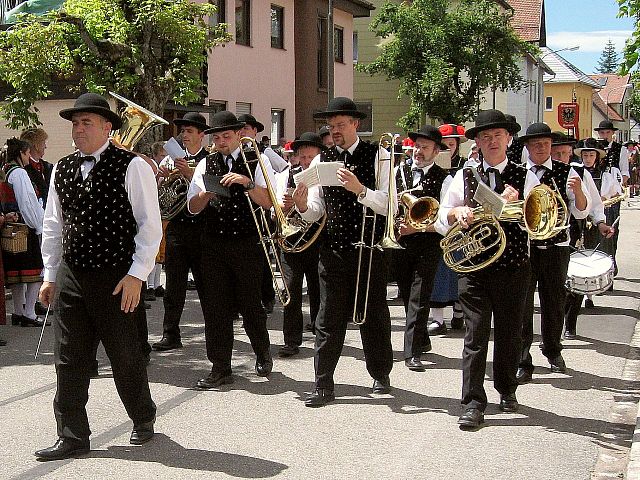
(243,22)
(277,26)
(355,47)
(322,52)
(221,15)
(548,104)
(338,44)
(277,125)
(243,107)
(366,124)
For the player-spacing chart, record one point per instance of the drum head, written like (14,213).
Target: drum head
(589,263)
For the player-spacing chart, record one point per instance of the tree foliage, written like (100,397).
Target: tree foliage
(446,55)
(608,62)
(150,51)
(631,9)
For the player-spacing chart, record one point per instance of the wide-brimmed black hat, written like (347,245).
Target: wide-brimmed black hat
(630,142)
(308,138)
(589,144)
(93,103)
(487,119)
(340,106)
(430,133)
(251,120)
(192,119)
(224,120)
(324,131)
(537,130)
(560,138)
(605,125)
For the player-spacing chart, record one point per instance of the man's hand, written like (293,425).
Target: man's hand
(287,202)
(130,288)
(183,167)
(510,194)
(406,229)
(300,195)
(47,291)
(230,178)
(605,230)
(463,215)
(349,180)
(163,171)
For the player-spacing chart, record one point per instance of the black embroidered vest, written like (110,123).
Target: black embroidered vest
(344,212)
(613,155)
(556,179)
(514,152)
(184,216)
(99,226)
(516,252)
(229,217)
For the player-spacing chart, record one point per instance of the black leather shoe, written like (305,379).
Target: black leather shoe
(319,398)
(509,403)
(436,328)
(150,295)
(523,376)
(264,366)
(15,319)
(167,343)
(457,323)
(382,386)
(214,380)
(142,433)
(159,291)
(557,365)
(63,448)
(415,364)
(30,322)
(288,351)
(40,309)
(471,419)
(570,335)
(588,303)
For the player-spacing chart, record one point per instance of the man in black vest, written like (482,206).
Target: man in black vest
(100,237)
(488,292)
(183,250)
(550,257)
(364,185)
(232,256)
(419,261)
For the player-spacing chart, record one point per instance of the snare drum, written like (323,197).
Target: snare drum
(590,272)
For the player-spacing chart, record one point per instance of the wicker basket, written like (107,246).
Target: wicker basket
(14,238)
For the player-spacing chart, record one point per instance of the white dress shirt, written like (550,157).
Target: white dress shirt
(596,209)
(29,205)
(624,160)
(376,200)
(142,191)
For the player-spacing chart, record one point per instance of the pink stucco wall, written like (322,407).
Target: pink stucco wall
(343,72)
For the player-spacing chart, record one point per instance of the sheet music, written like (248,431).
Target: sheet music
(490,200)
(322,173)
(173,149)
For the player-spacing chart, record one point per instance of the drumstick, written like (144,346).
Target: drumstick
(44,324)
(615,222)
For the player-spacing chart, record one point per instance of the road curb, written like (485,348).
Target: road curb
(632,373)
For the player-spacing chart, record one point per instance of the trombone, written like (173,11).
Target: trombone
(283,228)
(388,240)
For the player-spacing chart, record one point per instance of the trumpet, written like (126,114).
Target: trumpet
(420,212)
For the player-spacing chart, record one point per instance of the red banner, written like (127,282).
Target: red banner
(568,115)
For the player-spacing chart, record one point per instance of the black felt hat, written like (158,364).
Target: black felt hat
(560,138)
(488,119)
(224,120)
(605,125)
(93,103)
(537,130)
(251,120)
(324,131)
(308,138)
(589,144)
(430,133)
(192,119)
(340,106)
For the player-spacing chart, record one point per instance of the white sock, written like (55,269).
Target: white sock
(30,299)
(17,294)
(438,315)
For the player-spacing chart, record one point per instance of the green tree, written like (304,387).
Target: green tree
(446,55)
(631,9)
(150,51)
(609,61)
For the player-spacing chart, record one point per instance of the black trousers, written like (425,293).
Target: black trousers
(549,273)
(183,252)
(483,294)
(232,283)
(338,274)
(416,268)
(86,312)
(296,266)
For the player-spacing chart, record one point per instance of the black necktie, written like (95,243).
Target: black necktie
(499,186)
(539,170)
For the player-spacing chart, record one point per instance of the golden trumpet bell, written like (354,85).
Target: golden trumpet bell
(421,212)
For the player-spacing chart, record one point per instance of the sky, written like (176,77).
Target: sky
(587,23)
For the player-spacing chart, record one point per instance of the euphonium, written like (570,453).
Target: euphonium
(136,120)
(420,212)
(172,193)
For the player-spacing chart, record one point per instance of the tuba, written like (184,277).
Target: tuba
(543,214)
(136,120)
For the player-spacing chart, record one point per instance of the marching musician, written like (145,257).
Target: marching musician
(594,164)
(549,258)
(486,292)
(325,135)
(418,262)
(304,264)
(232,256)
(100,237)
(182,246)
(364,183)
